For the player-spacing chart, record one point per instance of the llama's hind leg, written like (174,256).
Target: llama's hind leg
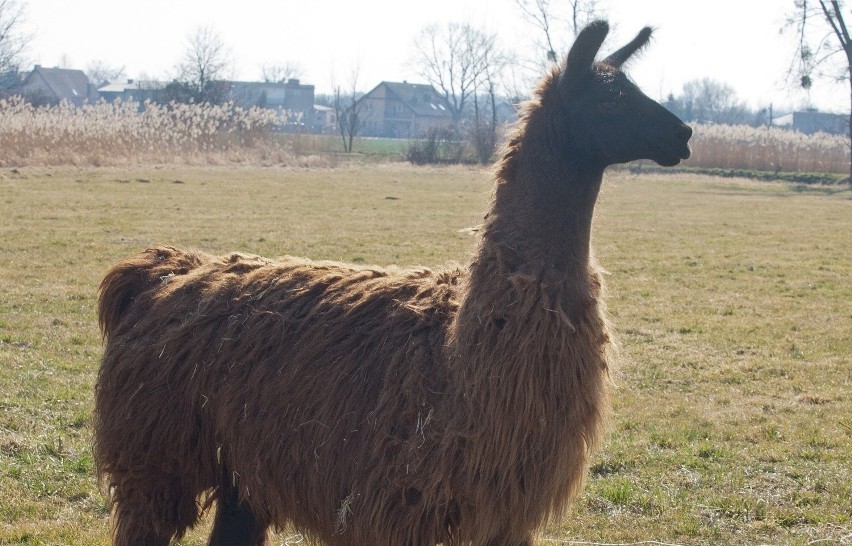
(151,512)
(236,524)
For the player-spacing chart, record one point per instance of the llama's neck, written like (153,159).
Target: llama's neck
(534,255)
(544,204)
(528,341)
(547,222)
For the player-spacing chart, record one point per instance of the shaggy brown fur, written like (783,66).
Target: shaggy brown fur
(380,407)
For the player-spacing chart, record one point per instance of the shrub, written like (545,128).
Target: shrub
(437,145)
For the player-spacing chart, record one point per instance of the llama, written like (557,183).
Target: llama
(383,406)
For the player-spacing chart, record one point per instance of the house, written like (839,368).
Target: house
(132,91)
(292,96)
(325,119)
(402,110)
(811,121)
(55,85)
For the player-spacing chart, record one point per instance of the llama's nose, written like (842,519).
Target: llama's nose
(683,131)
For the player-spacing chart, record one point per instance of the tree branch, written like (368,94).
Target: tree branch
(837,20)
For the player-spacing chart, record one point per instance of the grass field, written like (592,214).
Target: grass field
(733,301)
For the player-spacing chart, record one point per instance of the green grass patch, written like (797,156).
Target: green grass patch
(754,174)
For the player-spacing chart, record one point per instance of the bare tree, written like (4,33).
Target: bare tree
(13,40)
(822,22)
(712,101)
(542,14)
(583,12)
(348,110)
(280,72)
(537,13)
(453,59)
(99,72)
(205,63)
(485,123)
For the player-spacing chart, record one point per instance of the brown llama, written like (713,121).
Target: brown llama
(379,406)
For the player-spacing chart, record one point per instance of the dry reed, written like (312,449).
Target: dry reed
(768,149)
(129,133)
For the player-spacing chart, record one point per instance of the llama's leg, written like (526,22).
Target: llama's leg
(151,514)
(236,524)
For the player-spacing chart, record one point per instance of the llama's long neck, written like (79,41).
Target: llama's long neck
(534,256)
(527,346)
(541,217)
(543,213)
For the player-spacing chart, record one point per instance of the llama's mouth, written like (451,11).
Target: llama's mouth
(673,148)
(668,157)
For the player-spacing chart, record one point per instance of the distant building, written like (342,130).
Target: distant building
(292,96)
(325,119)
(403,110)
(55,85)
(132,91)
(811,121)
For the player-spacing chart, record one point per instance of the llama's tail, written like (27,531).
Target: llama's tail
(132,277)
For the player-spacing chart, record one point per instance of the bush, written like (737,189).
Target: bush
(436,146)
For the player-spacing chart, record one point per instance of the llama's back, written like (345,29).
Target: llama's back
(247,372)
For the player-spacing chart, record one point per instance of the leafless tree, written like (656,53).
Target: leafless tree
(544,15)
(280,72)
(583,12)
(348,110)
(485,123)
(206,62)
(453,58)
(712,101)
(537,13)
(99,72)
(13,39)
(822,36)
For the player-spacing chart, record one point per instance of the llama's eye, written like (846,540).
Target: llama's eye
(612,99)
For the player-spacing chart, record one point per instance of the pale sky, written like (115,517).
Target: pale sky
(732,41)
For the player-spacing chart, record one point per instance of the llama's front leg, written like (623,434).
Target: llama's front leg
(236,524)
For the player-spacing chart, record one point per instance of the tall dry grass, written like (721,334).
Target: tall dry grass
(125,134)
(767,149)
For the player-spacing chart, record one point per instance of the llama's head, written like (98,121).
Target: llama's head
(609,120)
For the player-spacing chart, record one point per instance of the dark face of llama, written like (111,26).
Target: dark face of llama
(609,119)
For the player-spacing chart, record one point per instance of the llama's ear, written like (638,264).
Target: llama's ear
(581,57)
(619,57)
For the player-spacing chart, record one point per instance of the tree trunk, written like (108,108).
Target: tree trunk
(847,46)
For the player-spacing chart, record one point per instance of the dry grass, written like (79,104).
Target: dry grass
(732,422)
(768,149)
(118,134)
(121,134)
